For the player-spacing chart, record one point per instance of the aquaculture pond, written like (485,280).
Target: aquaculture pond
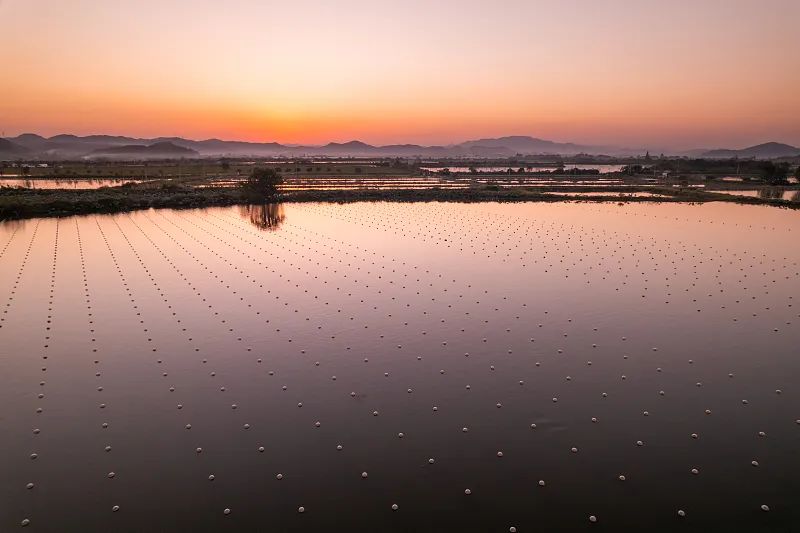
(60,183)
(344,183)
(398,367)
(778,193)
(602,169)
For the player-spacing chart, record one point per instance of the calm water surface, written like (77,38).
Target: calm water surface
(777,193)
(529,354)
(603,168)
(428,182)
(83,183)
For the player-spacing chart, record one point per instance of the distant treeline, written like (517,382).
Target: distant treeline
(769,171)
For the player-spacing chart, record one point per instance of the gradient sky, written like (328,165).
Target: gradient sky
(640,73)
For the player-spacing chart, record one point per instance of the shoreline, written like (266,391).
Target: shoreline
(33,203)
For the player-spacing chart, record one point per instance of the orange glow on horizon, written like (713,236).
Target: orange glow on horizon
(616,73)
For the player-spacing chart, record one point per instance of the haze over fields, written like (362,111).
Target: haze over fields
(93,147)
(662,76)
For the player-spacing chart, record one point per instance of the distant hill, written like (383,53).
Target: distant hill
(159,150)
(92,139)
(357,148)
(29,140)
(66,146)
(12,149)
(217,147)
(770,150)
(520,144)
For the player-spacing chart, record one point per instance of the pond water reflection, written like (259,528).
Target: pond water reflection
(480,366)
(767,193)
(83,183)
(264,216)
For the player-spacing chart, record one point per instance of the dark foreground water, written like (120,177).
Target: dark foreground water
(481,367)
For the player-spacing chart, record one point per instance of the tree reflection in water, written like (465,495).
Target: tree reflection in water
(264,216)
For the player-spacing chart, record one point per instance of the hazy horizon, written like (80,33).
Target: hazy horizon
(679,76)
(399,143)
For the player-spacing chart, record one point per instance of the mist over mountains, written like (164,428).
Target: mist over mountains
(769,150)
(65,146)
(110,147)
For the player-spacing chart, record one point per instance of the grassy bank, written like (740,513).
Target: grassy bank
(27,203)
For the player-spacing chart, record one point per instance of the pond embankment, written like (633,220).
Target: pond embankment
(18,203)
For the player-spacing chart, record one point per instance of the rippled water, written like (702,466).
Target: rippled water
(482,367)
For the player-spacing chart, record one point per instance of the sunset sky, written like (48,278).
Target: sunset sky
(677,74)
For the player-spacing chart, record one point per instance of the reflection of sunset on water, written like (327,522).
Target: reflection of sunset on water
(482,347)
